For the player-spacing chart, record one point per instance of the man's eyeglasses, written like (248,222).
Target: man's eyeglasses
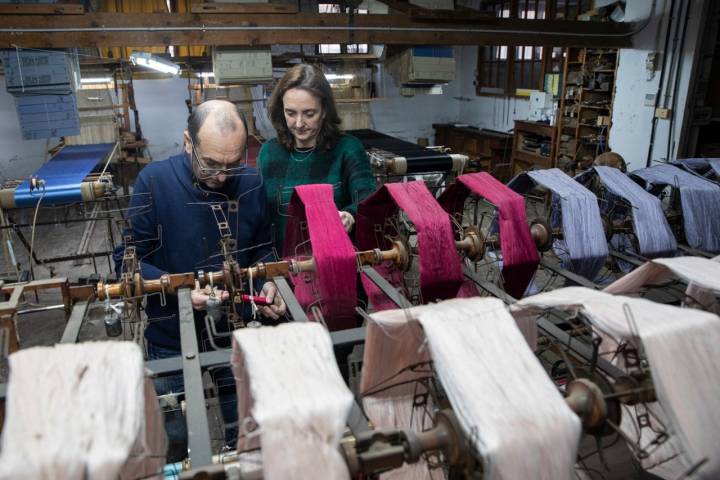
(212,169)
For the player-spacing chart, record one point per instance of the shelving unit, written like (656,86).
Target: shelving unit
(585,114)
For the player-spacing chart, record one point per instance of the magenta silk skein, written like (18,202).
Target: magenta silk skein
(333,285)
(440,271)
(519,254)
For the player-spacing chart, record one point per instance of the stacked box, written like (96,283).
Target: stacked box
(234,66)
(43,83)
(46,116)
(41,71)
(423,67)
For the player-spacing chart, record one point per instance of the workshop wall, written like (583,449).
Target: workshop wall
(494,113)
(163,114)
(410,118)
(632,121)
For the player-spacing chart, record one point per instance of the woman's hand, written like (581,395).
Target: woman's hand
(348,220)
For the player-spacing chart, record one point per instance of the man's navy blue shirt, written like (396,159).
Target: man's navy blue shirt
(174,230)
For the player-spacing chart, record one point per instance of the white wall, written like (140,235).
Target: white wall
(494,113)
(632,120)
(163,114)
(18,158)
(410,118)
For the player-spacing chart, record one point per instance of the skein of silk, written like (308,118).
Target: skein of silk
(81,411)
(699,198)
(681,349)
(701,274)
(511,414)
(289,384)
(519,254)
(583,249)
(655,238)
(334,282)
(440,271)
(708,168)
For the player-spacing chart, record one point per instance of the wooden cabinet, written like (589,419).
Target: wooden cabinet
(533,146)
(489,150)
(585,107)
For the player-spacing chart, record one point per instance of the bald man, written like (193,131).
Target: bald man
(175,230)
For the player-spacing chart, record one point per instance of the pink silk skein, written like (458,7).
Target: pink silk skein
(440,272)
(519,254)
(334,282)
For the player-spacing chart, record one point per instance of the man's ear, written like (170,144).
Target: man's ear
(187,142)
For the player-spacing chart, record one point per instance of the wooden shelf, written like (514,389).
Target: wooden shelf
(575,147)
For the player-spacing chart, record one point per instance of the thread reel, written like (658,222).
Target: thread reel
(543,235)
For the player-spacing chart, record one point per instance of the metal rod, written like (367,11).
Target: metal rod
(58,222)
(27,311)
(196,412)
(390,291)
(573,277)
(627,258)
(296,311)
(694,251)
(72,329)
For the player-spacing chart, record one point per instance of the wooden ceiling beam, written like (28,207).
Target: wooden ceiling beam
(149,29)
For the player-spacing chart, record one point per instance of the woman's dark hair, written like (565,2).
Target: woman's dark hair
(312,79)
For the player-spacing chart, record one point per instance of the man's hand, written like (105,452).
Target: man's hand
(347,220)
(199,296)
(277,308)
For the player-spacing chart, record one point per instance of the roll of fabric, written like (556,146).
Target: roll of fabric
(655,238)
(289,386)
(699,198)
(333,285)
(63,174)
(583,248)
(440,270)
(701,274)
(519,253)
(680,346)
(81,411)
(511,414)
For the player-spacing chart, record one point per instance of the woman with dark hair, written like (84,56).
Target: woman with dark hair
(311,148)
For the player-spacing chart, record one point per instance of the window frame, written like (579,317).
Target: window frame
(337,8)
(546,61)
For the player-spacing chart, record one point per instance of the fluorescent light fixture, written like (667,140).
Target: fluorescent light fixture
(147,59)
(335,76)
(206,74)
(96,80)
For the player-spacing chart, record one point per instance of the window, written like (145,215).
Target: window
(506,71)
(330,48)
